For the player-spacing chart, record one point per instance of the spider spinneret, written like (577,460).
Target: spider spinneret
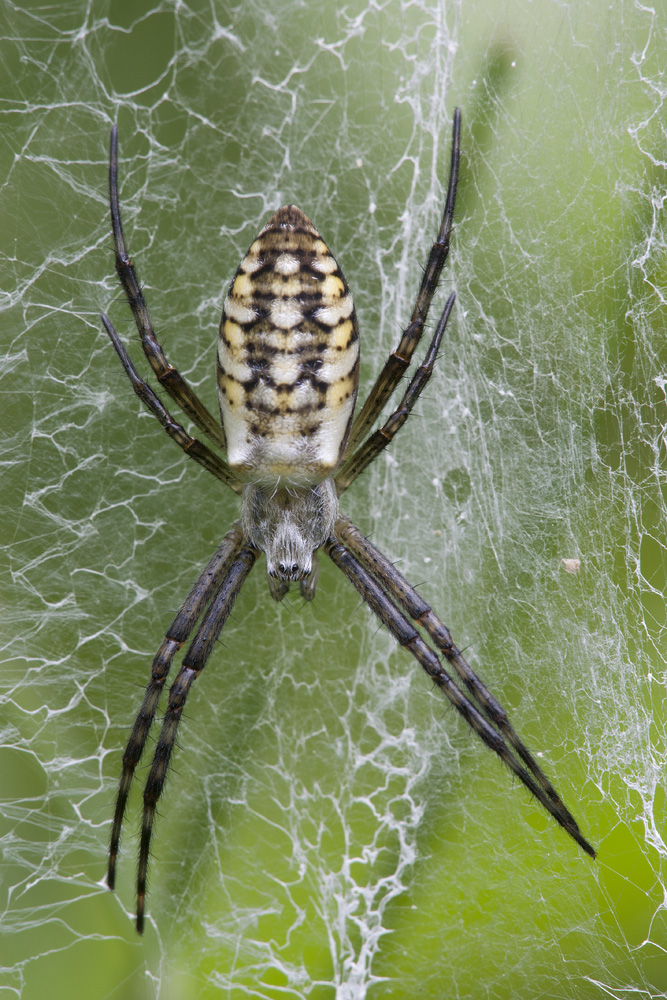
(288,374)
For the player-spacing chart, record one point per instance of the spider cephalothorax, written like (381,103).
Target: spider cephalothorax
(288,370)
(289,524)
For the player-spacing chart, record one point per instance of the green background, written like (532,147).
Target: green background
(331,829)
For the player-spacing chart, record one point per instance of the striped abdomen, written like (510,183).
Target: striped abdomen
(288,357)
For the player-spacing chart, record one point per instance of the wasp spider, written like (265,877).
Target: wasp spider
(288,372)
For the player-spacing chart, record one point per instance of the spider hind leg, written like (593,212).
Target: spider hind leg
(168,376)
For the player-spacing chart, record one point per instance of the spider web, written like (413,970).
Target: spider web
(330,829)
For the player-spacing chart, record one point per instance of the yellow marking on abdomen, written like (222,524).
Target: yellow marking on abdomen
(288,359)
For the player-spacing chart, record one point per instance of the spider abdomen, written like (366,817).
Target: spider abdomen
(288,357)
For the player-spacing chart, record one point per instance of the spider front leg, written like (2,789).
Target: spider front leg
(177,633)
(192,665)
(407,598)
(382,604)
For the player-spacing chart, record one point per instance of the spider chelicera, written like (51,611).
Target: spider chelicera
(288,370)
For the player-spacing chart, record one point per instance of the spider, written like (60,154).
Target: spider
(288,372)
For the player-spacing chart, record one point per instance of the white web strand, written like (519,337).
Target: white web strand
(330,830)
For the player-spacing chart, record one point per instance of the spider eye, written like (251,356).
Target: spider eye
(290,571)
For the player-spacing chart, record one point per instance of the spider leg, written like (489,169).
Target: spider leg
(394,583)
(191,446)
(192,665)
(168,376)
(377,442)
(389,614)
(177,633)
(400,359)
